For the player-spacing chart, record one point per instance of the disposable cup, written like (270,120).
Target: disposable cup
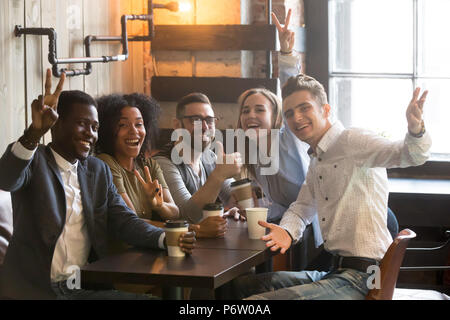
(174,229)
(242,191)
(255,231)
(212,210)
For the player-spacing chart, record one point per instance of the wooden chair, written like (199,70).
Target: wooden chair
(390,266)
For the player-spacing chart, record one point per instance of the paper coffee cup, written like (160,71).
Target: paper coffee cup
(174,229)
(255,231)
(212,210)
(242,191)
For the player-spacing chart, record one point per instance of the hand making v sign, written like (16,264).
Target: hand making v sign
(152,188)
(287,37)
(44,109)
(414,113)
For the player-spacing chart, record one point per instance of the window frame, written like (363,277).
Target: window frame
(318,66)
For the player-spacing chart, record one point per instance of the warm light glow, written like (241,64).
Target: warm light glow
(184,6)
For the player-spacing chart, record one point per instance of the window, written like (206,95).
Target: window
(379,50)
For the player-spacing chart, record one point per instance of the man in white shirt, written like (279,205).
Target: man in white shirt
(65,204)
(347,186)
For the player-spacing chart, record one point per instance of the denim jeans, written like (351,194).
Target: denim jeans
(340,284)
(64,293)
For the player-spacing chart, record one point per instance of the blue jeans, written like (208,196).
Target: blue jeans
(64,293)
(340,284)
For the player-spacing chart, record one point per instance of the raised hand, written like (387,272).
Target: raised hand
(228,165)
(278,238)
(44,109)
(287,37)
(152,189)
(415,110)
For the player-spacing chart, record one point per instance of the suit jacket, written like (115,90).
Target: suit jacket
(39,209)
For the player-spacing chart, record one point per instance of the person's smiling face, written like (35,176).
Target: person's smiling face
(130,133)
(306,118)
(256,113)
(202,111)
(76,134)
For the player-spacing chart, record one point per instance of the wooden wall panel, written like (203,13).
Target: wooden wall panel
(33,57)
(75,38)
(128,76)
(137,48)
(12,79)
(53,13)
(24,60)
(98,82)
(103,75)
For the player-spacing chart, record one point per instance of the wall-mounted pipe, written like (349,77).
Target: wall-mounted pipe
(88,60)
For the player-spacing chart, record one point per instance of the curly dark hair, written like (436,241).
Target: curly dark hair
(109,111)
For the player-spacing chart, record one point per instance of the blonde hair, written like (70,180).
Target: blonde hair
(277,119)
(277,113)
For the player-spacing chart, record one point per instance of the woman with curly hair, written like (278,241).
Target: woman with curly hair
(128,126)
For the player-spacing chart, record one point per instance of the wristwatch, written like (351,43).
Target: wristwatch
(27,141)
(421,133)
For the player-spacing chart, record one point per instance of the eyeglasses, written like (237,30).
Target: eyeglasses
(194,118)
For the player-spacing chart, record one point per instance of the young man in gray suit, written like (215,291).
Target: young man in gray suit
(65,203)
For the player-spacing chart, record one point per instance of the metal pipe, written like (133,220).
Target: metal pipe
(53,55)
(88,60)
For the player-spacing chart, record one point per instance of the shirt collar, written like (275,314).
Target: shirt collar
(63,164)
(328,139)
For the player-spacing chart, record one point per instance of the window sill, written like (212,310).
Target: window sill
(429,170)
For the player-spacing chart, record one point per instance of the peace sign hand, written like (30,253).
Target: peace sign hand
(44,109)
(152,189)
(286,36)
(414,112)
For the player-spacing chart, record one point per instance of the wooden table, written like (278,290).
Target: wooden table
(213,263)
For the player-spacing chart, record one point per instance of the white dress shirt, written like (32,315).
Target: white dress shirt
(73,245)
(347,184)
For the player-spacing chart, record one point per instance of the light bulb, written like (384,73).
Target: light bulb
(184,6)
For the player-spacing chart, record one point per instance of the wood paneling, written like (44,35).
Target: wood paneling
(33,57)
(75,37)
(12,75)
(98,82)
(25,59)
(214,37)
(218,89)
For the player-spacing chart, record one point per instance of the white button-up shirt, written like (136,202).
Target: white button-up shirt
(347,184)
(73,245)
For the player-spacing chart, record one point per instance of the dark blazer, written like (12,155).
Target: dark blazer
(39,210)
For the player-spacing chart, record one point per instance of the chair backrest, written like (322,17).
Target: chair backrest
(390,266)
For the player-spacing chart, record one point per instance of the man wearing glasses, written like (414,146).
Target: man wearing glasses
(197,181)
